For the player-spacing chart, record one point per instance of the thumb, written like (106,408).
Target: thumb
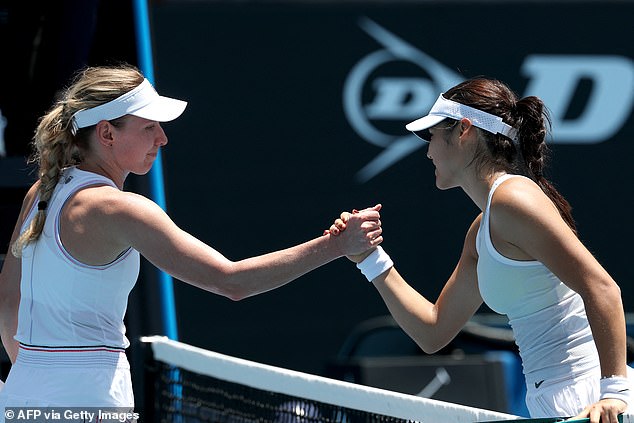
(375,208)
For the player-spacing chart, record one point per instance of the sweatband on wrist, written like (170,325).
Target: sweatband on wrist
(616,387)
(376,263)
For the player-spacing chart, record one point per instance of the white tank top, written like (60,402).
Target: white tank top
(65,302)
(548,318)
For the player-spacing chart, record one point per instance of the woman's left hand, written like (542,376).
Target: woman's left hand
(604,411)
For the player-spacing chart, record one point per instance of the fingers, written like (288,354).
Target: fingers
(374,237)
(583,414)
(336,228)
(364,215)
(374,208)
(604,411)
(369,219)
(376,241)
(371,224)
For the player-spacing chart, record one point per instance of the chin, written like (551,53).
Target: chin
(141,172)
(444,185)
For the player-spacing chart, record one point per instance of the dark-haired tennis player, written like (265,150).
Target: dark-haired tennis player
(521,256)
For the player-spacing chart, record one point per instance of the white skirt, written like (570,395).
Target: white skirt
(567,398)
(68,377)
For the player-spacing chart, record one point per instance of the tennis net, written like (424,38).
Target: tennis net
(190,384)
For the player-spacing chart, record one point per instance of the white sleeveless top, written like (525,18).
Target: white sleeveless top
(548,318)
(65,302)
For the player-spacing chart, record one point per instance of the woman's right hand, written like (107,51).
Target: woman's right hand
(363,221)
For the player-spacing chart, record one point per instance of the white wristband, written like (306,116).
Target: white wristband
(376,263)
(617,387)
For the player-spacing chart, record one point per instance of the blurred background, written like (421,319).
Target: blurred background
(296,112)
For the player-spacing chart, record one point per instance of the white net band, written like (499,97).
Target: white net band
(315,388)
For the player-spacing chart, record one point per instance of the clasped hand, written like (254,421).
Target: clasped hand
(362,232)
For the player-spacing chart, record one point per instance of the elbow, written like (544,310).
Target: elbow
(602,294)
(607,289)
(616,297)
(231,286)
(429,343)
(430,348)
(231,290)
(235,295)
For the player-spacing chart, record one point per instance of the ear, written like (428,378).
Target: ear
(465,126)
(104,132)
(467,129)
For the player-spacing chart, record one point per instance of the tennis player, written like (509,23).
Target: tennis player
(77,243)
(521,256)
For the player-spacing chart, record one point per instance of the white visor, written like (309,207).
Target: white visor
(143,101)
(443,109)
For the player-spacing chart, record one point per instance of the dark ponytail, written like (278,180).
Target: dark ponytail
(527,156)
(533,123)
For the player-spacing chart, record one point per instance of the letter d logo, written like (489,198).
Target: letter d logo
(555,79)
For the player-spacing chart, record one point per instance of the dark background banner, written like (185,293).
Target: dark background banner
(297,111)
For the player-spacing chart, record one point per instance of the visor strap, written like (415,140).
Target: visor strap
(481,119)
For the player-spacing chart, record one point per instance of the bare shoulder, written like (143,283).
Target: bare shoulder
(99,222)
(118,214)
(520,198)
(522,215)
(105,201)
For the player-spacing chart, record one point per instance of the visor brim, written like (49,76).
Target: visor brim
(162,109)
(420,127)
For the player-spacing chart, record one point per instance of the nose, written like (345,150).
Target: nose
(161,138)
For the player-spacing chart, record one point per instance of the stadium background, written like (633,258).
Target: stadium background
(271,147)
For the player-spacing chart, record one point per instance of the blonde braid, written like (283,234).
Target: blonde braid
(53,152)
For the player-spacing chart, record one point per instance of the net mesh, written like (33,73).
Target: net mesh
(203,398)
(189,384)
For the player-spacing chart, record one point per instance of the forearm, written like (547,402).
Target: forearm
(433,325)
(202,266)
(413,312)
(607,321)
(194,262)
(8,329)
(9,303)
(263,273)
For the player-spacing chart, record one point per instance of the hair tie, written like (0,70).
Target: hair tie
(42,205)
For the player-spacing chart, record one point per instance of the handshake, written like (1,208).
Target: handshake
(359,235)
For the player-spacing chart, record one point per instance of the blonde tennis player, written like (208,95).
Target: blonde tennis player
(521,256)
(77,243)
